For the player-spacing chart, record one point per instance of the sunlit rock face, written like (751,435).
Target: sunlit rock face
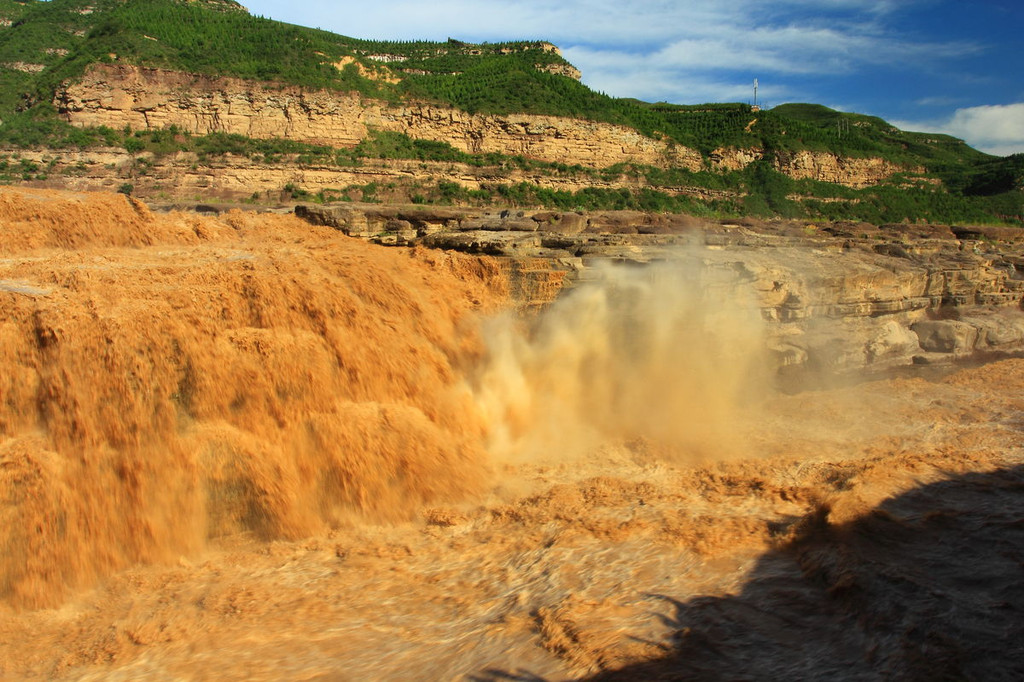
(118,96)
(837,297)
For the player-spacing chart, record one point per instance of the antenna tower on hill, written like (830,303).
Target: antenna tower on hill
(755,107)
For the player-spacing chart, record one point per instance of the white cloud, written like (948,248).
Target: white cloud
(996,129)
(939,101)
(651,78)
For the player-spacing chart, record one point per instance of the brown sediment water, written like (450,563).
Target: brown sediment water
(172,378)
(243,447)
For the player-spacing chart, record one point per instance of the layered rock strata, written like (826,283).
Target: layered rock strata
(856,173)
(117,95)
(234,178)
(839,297)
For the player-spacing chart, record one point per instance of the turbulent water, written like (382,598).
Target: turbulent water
(169,380)
(248,448)
(661,352)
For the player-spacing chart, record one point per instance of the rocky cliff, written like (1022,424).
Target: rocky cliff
(828,167)
(117,95)
(228,177)
(837,297)
(822,166)
(120,95)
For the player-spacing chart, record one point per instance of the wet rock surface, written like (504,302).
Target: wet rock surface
(842,296)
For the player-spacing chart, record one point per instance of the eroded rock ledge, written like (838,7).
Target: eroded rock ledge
(837,296)
(119,95)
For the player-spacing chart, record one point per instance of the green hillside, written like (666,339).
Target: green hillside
(43,44)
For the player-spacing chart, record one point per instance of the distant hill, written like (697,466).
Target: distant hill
(44,46)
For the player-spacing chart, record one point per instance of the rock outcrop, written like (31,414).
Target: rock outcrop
(120,95)
(821,166)
(828,167)
(229,177)
(901,295)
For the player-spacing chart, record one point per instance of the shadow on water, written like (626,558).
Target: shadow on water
(927,586)
(505,676)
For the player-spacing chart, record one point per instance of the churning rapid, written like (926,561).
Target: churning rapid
(171,379)
(662,352)
(244,447)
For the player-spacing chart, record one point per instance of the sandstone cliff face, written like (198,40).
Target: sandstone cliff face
(234,178)
(730,158)
(548,138)
(567,70)
(856,173)
(827,167)
(120,95)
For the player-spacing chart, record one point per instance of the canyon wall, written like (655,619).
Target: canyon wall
(821,166)
(836,298)
(228,177)
(827,167)
(117,95)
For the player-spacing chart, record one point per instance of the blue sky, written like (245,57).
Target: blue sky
(927,65)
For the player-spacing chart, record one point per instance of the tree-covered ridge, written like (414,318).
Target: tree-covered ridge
(64,36)
(453,56)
